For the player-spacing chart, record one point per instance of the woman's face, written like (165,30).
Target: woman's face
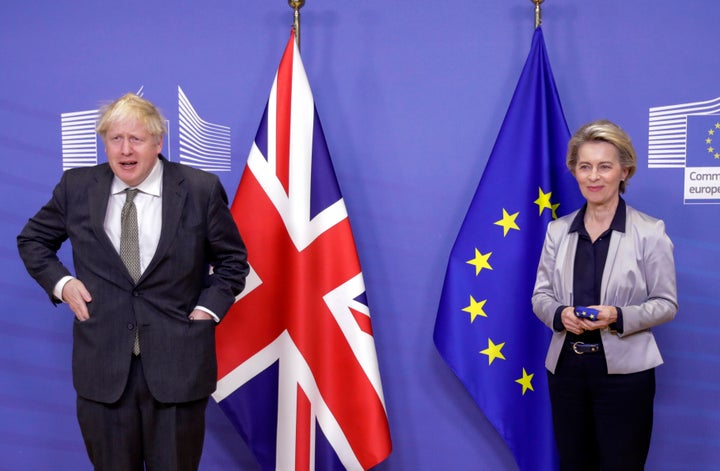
(599,173)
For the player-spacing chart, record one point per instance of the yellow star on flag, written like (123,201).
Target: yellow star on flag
(508,222)
(554,210)
(480,261)
(543,201)
(475,309)
(493,351)
(526,381)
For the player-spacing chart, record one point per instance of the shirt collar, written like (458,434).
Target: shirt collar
(152,185)
(618,222)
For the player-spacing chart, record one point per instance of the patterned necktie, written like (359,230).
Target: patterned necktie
(129,245)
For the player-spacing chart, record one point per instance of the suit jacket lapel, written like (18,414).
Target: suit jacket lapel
(173,202)
(98,196)
(568,268)
(615,241)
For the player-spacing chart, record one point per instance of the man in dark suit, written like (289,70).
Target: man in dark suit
(155,269)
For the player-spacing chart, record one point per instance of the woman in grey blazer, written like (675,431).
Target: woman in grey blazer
(617,263)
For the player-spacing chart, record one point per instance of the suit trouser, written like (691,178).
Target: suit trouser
(601,421)
(138,429)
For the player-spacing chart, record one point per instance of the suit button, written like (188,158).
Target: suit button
(136,293)
(130,326)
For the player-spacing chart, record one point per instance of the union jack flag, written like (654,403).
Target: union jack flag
(298,372)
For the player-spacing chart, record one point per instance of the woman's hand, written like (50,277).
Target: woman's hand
(571,322)
(606,316)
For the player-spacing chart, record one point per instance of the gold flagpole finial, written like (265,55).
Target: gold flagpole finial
(296,5)
(538,12)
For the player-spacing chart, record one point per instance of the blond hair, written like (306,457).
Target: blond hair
(132,107)
(603,130)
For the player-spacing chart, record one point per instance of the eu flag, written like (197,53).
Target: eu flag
(485,328)
(703,141)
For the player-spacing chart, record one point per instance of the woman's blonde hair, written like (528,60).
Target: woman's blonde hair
(603,130)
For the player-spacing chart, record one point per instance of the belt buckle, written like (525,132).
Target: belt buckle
(589,347)
(593,348)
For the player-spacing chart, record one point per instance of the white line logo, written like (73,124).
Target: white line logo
(203,144)
(79,140)
(688,136)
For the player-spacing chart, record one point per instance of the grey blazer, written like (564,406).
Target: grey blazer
(639,277)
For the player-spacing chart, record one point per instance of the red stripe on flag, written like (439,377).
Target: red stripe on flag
(363,321)
(283,107)
(302,432)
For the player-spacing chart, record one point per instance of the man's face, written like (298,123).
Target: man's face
(131,150)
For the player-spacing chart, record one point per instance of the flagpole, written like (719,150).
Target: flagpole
(538,12)
(296,5)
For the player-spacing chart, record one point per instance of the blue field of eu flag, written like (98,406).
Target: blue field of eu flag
(703,141)
(485,328)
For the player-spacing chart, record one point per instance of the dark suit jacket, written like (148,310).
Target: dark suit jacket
(178,355)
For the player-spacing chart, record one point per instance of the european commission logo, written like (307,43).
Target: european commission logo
(203,144)
(688,136)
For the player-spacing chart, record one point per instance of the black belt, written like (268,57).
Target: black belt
(580,347)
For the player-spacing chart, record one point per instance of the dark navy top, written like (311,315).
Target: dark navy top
(589,265)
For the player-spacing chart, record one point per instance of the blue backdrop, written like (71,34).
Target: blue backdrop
(411,99)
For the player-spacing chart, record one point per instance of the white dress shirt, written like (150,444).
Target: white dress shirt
(148,203)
